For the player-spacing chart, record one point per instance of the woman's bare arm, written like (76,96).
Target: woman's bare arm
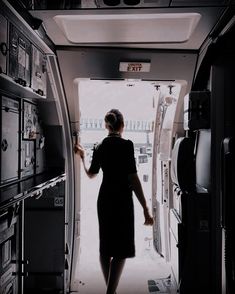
(79,150)
(137,188)
(90,175)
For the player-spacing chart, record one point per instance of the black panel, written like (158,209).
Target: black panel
(197,110)
(54,152)
(51,4)
(44,241)
(199,2)
(195,245)
(3,44)
(80,4)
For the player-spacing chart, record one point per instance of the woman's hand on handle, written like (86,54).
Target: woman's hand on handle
(78,149)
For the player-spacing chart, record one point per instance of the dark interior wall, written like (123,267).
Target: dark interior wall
(223,127)
(217,74)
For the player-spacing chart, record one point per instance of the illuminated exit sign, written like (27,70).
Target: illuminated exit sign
(134,66)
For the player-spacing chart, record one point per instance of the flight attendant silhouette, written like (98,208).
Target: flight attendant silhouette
(115,156)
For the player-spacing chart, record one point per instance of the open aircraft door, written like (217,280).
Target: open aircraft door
(168,126)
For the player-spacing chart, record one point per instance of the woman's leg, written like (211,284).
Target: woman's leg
(105,265)
(115,271)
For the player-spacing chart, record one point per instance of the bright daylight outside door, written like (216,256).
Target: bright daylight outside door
(137,101)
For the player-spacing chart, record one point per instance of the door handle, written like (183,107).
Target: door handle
(227,165)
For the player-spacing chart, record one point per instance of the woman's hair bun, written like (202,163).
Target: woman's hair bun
(111,117)
(114,119)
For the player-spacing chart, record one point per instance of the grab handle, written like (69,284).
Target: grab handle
(227,163)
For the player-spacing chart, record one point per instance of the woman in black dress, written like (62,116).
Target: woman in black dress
(115,156)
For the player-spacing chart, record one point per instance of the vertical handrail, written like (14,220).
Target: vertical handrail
(227,210)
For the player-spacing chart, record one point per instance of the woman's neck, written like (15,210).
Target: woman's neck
(115,133)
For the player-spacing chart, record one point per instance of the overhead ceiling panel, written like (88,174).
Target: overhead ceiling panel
(124,28)
(131,28)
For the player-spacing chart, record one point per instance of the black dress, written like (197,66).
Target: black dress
(115,156)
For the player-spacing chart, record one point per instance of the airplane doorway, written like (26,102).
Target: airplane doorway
(138,101)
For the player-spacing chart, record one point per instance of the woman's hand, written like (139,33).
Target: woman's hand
(148,218)
(78,149)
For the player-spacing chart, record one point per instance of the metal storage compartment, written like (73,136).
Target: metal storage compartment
(33,141)
(30,121)
(27,158)
(13,52)
(19,57)
(9,140)
(3,44)
(44,229)
(40,151)
(38,76)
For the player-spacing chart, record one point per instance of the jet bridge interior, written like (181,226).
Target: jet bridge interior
(46,49)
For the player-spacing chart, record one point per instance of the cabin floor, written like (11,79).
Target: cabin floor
(145,273)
